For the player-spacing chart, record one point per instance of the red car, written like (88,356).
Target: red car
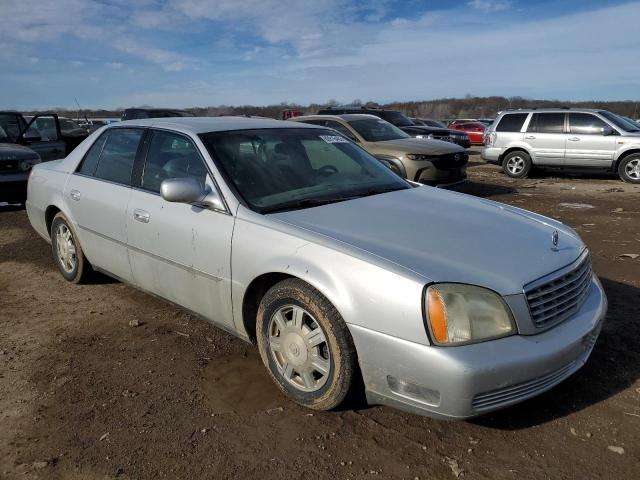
(475,130)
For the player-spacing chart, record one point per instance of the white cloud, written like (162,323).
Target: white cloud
(489,6)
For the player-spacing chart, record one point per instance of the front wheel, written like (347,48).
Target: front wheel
(67,252)
(517,164)
(629,168)
(305,345)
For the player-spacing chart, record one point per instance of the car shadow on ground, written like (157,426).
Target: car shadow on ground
(482,190)
(611,369)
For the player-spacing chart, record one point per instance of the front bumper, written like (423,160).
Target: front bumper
(491,154)
(466,381)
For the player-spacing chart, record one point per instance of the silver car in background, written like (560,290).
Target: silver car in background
(292,237)
(520,140)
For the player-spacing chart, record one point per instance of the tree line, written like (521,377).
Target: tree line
(443,108)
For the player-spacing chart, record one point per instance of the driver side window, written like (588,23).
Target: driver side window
(171,155)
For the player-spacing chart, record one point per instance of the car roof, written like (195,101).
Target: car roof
(196,125)
(346,117)
(553,110)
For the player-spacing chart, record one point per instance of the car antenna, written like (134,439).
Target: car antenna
(79,109)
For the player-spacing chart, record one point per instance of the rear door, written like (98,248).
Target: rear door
(587,145)
(43,135)
(546,138)
(97,196)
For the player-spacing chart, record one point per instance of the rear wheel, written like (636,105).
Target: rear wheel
(67,253)
(305,345)
(629,168)
(517,164)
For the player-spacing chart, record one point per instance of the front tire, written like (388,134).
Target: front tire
(629,168)
(67,252)
(517,164)
(305,345)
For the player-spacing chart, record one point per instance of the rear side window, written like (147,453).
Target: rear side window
(341,128)
(118,155)
(546,123)
(90,160)
(171,156)
(511,122)
(586,124)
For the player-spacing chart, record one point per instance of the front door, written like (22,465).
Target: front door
(546,138)
(97,195)
(179,251)
(588,145)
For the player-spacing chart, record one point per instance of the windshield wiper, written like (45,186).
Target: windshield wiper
(298,204)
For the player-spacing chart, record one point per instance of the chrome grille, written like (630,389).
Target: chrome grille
(555,300)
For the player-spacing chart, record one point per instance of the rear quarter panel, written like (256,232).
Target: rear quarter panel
(45,189)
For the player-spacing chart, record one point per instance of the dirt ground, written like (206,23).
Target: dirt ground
(84,395)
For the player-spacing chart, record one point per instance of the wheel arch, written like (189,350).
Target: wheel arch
(49,214)
(624,155)
(513,149)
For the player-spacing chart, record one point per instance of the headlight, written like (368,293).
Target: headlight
(417,156)
(460,314)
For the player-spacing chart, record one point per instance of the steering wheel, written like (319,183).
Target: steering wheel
(328,170)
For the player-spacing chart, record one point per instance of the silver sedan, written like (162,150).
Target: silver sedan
(292,237)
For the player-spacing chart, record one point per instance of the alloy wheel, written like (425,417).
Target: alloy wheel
(632,169)
(515,165)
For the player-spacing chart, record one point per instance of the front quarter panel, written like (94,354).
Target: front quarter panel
(366,292)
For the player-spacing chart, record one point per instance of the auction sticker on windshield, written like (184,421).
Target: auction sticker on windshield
(333,139)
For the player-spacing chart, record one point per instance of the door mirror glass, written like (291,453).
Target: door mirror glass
(607,130)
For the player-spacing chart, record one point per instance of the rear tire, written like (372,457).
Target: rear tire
(305,345)
(517,164)
(67,252)
(629,168)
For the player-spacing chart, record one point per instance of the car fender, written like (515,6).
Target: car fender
(367,291)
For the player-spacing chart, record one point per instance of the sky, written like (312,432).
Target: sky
(183,53)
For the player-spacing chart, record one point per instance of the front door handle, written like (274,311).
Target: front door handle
(141,215)
(573,139)
(530,137)
(75,195)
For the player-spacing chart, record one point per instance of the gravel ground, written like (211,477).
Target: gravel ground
(87,394)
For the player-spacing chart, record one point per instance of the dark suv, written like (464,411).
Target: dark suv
(136,113)
(403,123)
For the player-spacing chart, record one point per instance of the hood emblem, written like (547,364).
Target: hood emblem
(555,237)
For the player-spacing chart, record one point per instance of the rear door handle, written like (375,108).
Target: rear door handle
(530,137)
(141,215)
(75,195)
(573,139)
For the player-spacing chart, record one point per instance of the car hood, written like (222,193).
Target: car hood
(446,236)
(13,151)
(421,145)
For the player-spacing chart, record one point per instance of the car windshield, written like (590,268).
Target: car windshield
(10,126)
(377,130)
(434,123)
(292,168)
(397,118)
(620,122)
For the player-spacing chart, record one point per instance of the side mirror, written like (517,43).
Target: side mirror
(607,130)
(189,190)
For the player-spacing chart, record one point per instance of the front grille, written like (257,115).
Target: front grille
(555,300)
(10,167)
(521,391)
(450,160)
(444,138)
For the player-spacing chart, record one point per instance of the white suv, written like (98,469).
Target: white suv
(520,140)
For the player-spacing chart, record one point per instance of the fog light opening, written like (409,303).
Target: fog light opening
(413,392)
